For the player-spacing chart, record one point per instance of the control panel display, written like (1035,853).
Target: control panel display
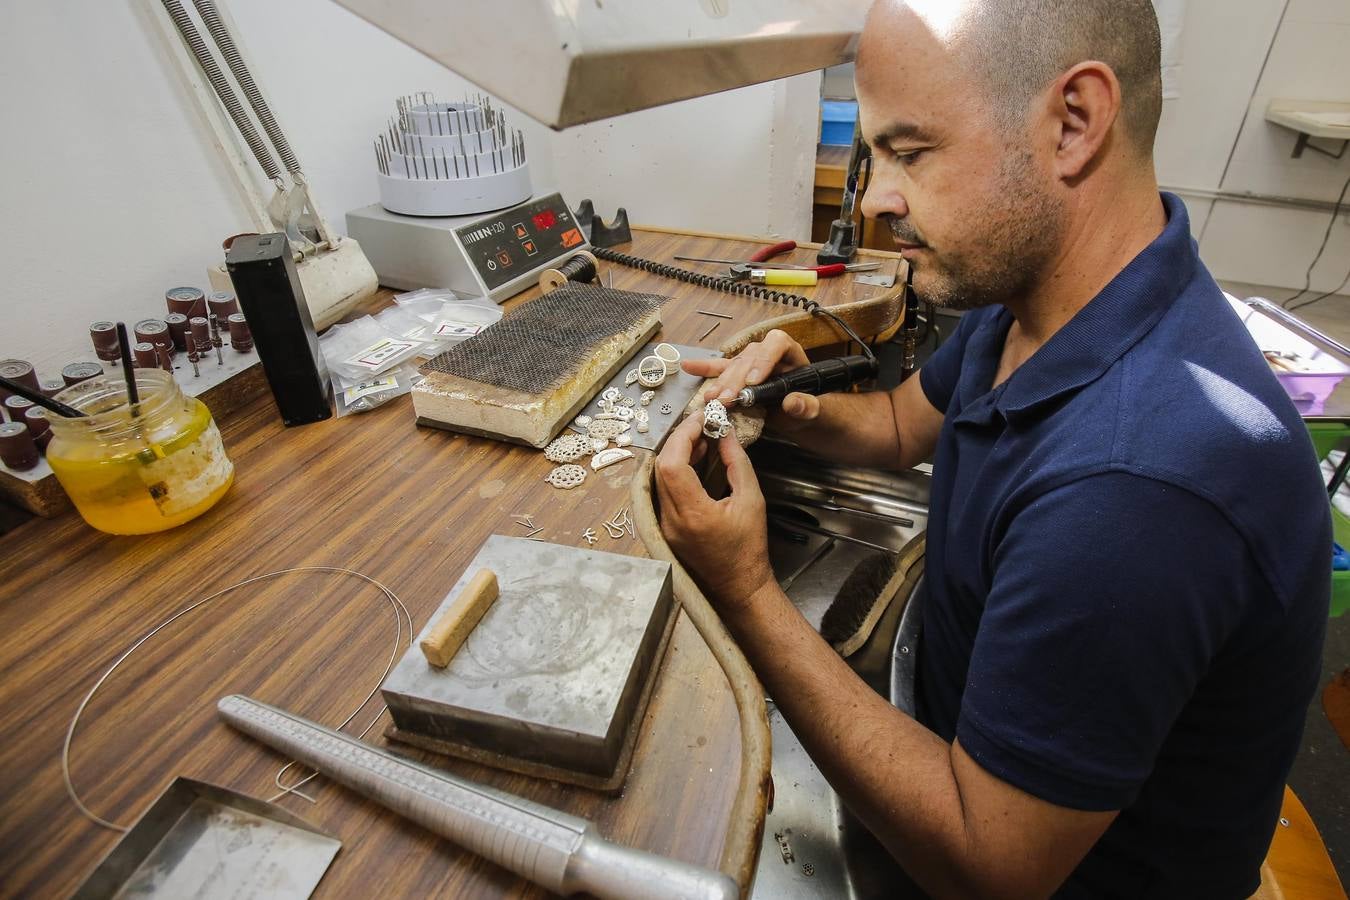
(507,244)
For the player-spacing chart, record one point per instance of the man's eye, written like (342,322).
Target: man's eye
(909,158)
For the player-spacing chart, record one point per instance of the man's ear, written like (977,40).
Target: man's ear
(1084,104)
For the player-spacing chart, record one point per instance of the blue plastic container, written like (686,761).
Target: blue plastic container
(836,121)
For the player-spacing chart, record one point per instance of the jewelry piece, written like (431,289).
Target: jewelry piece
(589,536)
(626,401)
(624,413)
(631,377)
(615,531)
(643,427)
(566,477)
(652,372)
(597,444)
(666,409)
(610,457)
(716,425)
(641,415)
(611,394)
(648,397)
(607,428)
(669,355)
(567,448)
(583,421)
(624,440)
(616,415)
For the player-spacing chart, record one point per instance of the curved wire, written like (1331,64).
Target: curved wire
(400,614)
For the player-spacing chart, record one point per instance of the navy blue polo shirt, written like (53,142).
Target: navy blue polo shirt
(1128,571)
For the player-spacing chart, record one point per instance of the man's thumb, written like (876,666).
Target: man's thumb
(801,406)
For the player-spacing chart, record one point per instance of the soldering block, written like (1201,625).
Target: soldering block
(524,378)
(555,678)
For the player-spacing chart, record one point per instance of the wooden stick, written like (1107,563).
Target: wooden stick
(448,634)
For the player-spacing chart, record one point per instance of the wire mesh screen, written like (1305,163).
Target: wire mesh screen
(539,343)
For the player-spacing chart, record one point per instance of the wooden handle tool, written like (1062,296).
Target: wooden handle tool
(448,634)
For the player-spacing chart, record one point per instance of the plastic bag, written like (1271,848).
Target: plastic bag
(362,349)
(450,318)
(363,396)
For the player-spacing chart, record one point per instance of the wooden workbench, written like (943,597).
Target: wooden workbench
(405,505)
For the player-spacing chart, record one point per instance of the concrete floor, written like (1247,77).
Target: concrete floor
(1321,775)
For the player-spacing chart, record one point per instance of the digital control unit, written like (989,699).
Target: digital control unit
(497,254)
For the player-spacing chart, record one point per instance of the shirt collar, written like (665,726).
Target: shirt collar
(1111,323)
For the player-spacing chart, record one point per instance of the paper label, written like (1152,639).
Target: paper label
(374,386)
(377,354)
(449,328)
(189,475)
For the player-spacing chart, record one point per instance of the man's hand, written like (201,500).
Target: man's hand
(775,354)
(723,543)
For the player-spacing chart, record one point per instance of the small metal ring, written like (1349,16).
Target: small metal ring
(669,356)
(652,372)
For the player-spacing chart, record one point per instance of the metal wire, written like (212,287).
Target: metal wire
(400,615)
(225,41)
(729,286)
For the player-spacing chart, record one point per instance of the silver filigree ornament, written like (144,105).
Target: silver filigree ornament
(566,477)
(567,448)
(716,423)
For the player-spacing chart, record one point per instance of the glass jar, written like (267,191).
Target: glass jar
(136,474)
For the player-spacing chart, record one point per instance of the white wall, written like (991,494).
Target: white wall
(115,192)
(1223,99)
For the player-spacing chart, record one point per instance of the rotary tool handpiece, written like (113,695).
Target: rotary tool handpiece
(818,378)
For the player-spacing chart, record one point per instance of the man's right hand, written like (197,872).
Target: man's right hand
(775,354)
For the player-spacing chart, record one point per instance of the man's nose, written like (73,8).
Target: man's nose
(883,198)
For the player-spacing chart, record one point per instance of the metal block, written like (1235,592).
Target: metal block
(678,388)
(555,671)
(201,840)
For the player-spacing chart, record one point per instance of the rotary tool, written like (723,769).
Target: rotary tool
(822,377)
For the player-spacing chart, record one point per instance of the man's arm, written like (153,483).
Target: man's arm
(958,830)
(895,429)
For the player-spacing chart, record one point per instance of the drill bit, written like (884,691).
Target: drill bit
(214,325)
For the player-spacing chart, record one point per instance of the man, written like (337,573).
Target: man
(1127,556)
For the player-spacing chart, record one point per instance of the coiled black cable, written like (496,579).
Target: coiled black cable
(729,286)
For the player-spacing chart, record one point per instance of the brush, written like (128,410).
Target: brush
(865,596)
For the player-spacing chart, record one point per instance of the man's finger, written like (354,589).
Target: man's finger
(705,368)
(674,469)
(740,471)
(801,406)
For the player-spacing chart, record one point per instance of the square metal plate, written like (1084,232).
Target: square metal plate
(554,670)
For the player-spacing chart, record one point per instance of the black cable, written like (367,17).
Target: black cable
(1307,277)
(1335,290)
(729,286)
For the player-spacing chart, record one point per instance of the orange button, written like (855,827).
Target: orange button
(529,248)
(520,230)
(504,258)
(571,238)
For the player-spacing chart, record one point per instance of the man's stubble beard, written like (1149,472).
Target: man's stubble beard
(1005,249)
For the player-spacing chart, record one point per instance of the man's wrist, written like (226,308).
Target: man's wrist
(738,612)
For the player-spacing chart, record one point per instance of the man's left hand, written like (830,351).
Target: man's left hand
(723,543)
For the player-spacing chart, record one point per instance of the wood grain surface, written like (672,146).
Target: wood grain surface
(407,506)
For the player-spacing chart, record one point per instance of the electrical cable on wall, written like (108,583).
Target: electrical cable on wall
(1307,276)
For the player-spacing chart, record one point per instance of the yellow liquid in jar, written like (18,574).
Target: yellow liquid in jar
(112,488)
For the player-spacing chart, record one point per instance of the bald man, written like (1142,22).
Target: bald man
(1127,555)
